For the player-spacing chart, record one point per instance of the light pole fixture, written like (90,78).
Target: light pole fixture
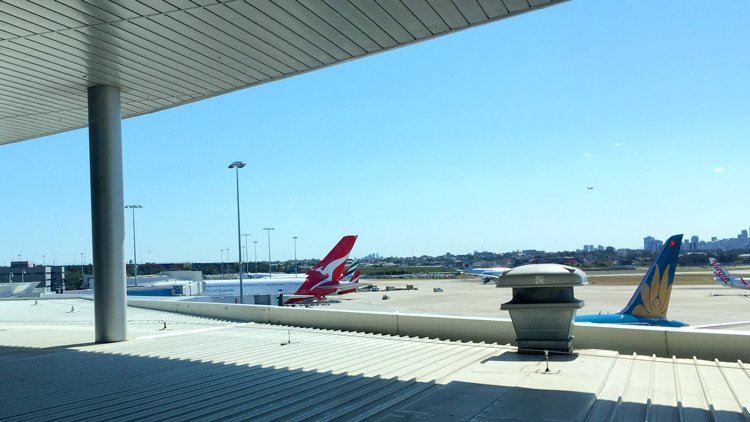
(247,260)
(268,230)
(237,165)
(135,257)
(295,256)
(255,247)
(222,262)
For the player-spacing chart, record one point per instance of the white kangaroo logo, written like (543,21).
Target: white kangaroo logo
(328,270)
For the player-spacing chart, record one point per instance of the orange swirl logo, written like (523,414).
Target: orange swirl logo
(655,296)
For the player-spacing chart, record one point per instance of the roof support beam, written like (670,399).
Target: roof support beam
(107,214)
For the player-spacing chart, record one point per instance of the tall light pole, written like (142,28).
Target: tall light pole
(135,257)
(247,260)
(82,270)
(222,262)
(255,247)
(268,230)
(237,165)
(295,256)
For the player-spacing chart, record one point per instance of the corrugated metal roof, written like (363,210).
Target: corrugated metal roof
(222,370)
(165,53)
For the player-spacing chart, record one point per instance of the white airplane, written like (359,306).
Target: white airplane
(725,279)
(320,280)
(485,274)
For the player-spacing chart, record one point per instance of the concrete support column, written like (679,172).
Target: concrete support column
(107,214)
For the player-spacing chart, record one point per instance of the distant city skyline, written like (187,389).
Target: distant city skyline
(650,243)
(693,243)
(485,139)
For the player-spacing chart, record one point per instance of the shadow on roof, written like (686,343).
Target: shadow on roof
(76,384)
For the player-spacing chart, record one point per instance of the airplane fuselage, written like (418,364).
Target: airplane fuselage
(487,274)
(624,319)
(734,282)
(274,286)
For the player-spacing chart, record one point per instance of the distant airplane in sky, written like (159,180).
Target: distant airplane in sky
(649,303)
(485,274)
(725,279)
(321,279)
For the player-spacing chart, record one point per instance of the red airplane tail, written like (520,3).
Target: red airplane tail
(329,270)
(355,277)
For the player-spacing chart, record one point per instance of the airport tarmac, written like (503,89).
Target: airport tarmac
(695,304)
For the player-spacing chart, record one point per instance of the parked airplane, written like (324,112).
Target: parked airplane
(321,279)
(349,270)
(350,286)
(649,303)
(350,280)
(725,279)
(485,274)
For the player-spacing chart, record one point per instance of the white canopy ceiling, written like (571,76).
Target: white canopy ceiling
(163,53)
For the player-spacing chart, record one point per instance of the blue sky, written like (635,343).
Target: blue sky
(481,140)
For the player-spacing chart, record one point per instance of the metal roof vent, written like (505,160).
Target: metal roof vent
(543,307)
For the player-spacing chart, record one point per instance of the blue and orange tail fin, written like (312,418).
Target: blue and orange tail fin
(651,299)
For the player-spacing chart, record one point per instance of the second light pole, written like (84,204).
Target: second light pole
(295,256)
(237,165)
(268,229)
(135,257)
(255,249)
(247,260)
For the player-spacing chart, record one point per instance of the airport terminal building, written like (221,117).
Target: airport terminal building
(48,277)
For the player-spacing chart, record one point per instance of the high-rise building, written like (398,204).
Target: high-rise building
(649,244)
